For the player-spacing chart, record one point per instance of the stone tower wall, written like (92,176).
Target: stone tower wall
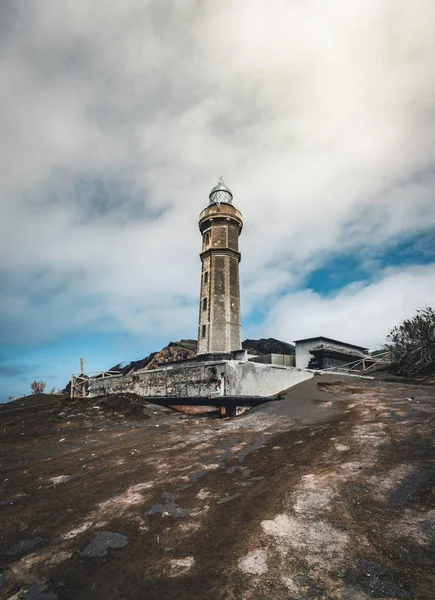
(219,315)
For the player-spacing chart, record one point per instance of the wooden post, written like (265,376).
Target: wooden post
(82,383)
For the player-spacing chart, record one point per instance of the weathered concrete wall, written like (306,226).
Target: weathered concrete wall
(302,352)
(200,379)
(214,379)
(254,379)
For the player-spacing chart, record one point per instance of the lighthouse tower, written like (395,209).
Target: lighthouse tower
(219,310)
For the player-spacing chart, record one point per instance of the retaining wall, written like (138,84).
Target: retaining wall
(213,379)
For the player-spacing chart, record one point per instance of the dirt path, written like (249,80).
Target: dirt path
(327,493)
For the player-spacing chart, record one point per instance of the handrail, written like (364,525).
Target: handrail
(79,381)
(96,373)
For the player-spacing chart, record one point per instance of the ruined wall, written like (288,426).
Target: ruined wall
(214,379)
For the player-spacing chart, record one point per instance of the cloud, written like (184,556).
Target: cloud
(117,119)
(361,312)
(13,371)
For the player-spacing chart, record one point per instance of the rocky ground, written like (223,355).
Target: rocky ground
(326,493)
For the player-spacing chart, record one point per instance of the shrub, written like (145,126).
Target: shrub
(37,387)
(412,344)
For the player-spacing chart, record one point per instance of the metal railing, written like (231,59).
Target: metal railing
(363,364)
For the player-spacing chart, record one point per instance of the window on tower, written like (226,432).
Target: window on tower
(207,238)
(206,277)
(204,304)
(203,331)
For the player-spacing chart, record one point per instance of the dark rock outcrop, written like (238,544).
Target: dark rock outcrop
(174,351)
(268,346)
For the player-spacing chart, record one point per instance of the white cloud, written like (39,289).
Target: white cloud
(320,116)
(360,313)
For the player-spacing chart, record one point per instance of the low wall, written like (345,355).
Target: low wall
(199,379)
(212,379)
(283,360)
(255,379)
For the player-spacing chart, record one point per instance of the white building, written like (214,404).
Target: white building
(323,353)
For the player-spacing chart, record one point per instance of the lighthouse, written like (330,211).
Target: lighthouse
(222,372)
(220,224)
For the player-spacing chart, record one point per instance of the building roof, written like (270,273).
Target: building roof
(321,337)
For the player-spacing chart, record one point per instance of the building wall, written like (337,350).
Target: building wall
(302,350)
(215,379)
(302,353)
(283,360)
(234,315)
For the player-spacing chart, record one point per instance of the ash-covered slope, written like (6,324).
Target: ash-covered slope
(325,493)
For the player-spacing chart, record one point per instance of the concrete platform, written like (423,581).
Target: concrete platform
(209,379)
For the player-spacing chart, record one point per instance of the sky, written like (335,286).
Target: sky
(117,119)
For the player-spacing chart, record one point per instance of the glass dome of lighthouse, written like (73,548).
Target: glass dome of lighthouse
(221,193)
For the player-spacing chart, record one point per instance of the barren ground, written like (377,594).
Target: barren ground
(326,493)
